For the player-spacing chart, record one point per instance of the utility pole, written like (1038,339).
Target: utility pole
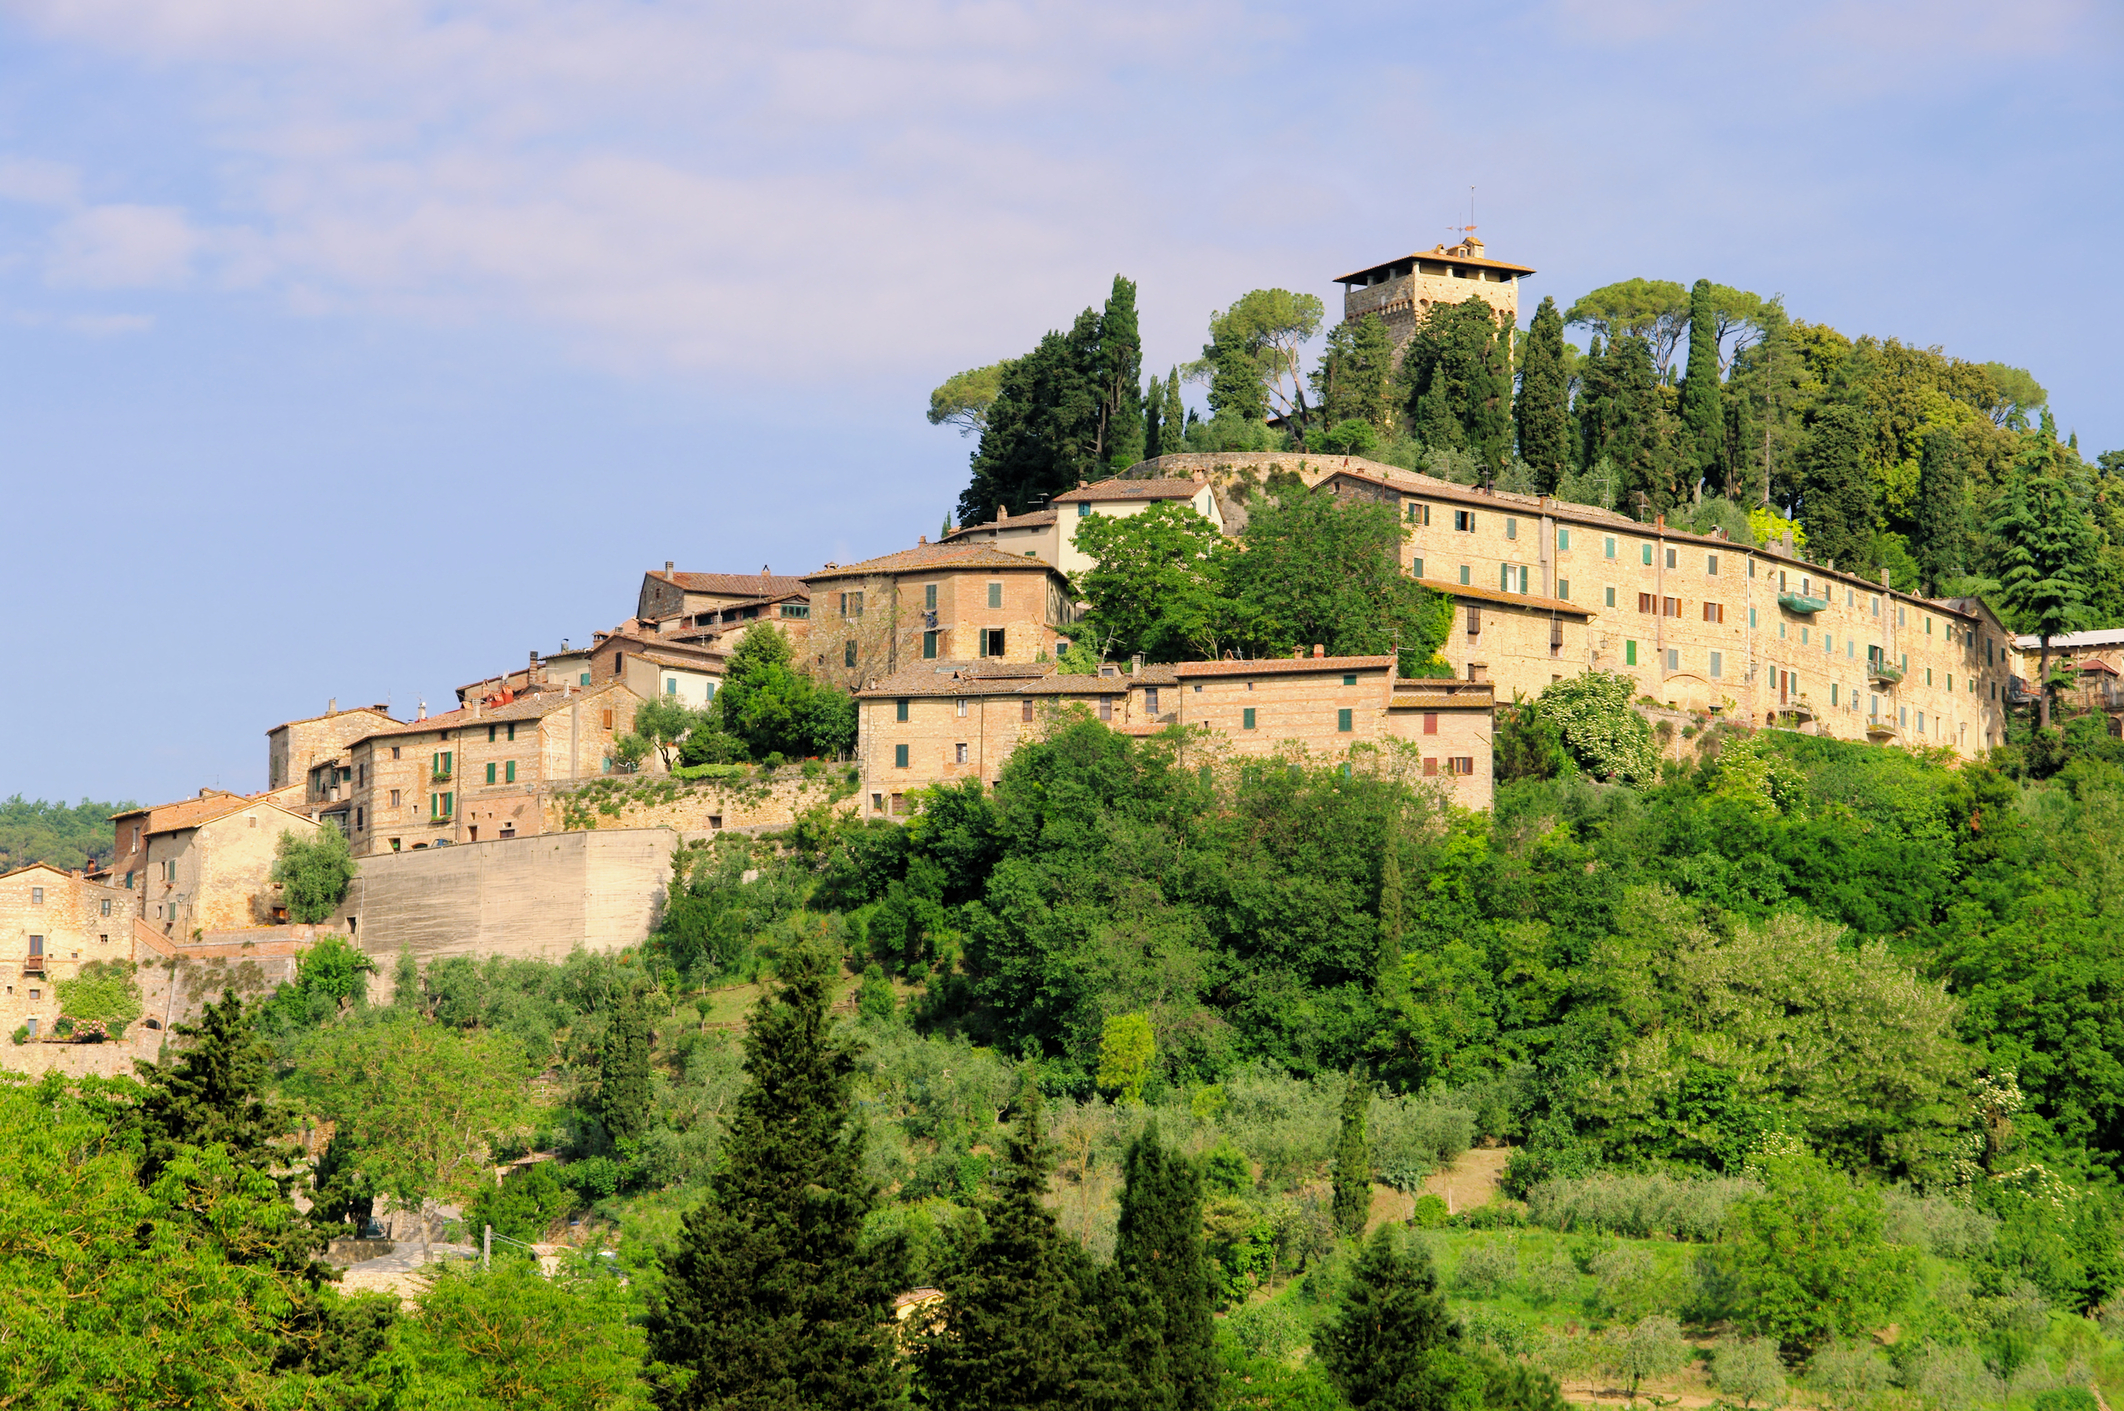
(486,1249)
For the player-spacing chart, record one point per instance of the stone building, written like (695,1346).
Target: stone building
(480,772)
(294,748)
(53,922)
(934,603)
(206,864)
(941,722)
(649,664)
(1545,588)
(1403,291)
(1051,534)
(671,594)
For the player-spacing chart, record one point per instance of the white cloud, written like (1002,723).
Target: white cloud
(123,247)
(38,183)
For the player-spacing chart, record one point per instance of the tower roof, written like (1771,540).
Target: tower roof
(1468,253)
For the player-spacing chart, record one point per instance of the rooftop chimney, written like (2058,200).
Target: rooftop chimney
(921,538)
(1001,514)
(1318,650)
(1297,654)
(423,715)
(766,572)
(667,565)
(332,706)
(1135,664)
(564,644)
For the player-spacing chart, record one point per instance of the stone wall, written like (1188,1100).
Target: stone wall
(691,807)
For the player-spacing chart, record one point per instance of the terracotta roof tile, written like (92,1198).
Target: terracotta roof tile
(1122,489)
(933,556)
(748,585)
(203,811)
(1035,520)
(1282,666)
(1532,602)
(533,707)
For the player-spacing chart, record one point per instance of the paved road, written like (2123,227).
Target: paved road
(400,1272)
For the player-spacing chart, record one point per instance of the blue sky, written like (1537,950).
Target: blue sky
(351,348)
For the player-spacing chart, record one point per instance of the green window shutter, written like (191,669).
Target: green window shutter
(1629,653)
(1246,718)
(1648,555)
(1416,568)
(586,678)
(1349,679)
(509,772)
(929,596)
(1563,538)
(900,709)
(899,756)
(512,730)
(929,646)
(490,771)
(1342,720)
(1563,590)
(449,800)
(995,595)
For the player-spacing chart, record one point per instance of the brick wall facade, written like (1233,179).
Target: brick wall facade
(971,603)
(51,924)
(216,875)
(293,749)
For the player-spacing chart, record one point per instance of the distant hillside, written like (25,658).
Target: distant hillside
(64,835)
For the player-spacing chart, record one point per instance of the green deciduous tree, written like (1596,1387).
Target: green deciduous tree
(1154,587)
(511,1337)
(1542,412)
(1391,1342)
(1321,569)
(417,1102)
(103,992)
(1807,1257)
(776,709)
(768,1297)
(665,723)
(1353,1160)
(1159,1246)
(312,871)
(1126,1050)
(2015,394)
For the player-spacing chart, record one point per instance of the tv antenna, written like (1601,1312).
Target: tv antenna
(1469,228)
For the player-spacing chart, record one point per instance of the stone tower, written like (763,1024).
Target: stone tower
(1402,291)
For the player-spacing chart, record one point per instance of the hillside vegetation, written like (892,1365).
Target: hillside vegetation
(1804,1054)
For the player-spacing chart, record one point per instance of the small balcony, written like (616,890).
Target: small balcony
(1799,603)
(1882,674)
(34,965)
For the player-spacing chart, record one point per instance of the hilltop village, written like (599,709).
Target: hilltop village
(517,822)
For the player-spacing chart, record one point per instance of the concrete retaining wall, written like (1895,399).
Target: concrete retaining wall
(534,897)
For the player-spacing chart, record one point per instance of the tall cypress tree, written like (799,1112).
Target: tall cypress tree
(1456,382)
(1542,412)
(1356,370)
(1391,1344)
(1154,421)
(1942,509)
(1353,1160)
(1635,431)
(1175,417)
(2046,548)
(1703,420)
(767,1300)
(1043,430)
(1160,1247)
(1019,1329)
(623,1072)
(213,1091)
(1121,429)
(1836,497)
